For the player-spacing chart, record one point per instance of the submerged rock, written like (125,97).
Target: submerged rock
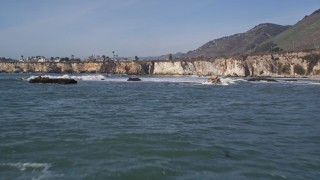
(134,79)
(214,80)
(40,79)
(262,79)
(291,80)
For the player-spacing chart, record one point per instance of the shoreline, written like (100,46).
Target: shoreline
(292,65)
(145,75)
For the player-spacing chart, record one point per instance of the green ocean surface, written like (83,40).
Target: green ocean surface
(165,127)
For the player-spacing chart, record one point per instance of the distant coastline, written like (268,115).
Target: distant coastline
(291,64)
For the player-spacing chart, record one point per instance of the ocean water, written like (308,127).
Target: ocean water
(160,128)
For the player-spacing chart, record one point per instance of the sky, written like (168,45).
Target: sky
(61,28)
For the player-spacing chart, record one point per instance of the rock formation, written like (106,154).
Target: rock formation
(290,64)
(133,79)
(214,80)
(262,79)
(45,80)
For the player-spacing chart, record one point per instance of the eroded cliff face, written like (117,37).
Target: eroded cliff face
(285,64)
(125,67)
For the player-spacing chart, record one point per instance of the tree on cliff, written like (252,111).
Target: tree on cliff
(3,59)
(170,56)
(104,57)
(65,59)
(136,58)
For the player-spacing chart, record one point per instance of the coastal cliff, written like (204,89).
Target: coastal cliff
(112,67)
(280,64)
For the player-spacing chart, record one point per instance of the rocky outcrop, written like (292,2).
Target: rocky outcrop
(134,79)
(282,64)
(46,80)
(291,64)
(112,67)
(262,79)
(214,80)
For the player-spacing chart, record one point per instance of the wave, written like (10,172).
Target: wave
(162,79)
(82,77)
(178,79)
(315,83)
(28,166)
(36,171)
(293,81)
(226,81)
(303,83)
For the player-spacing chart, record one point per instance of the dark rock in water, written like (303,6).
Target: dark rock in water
(262,79)
(291,80)
(214,80)
(134,79)
(52,80)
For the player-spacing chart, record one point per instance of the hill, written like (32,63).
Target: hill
(303,35)
(239,43)
(166,56)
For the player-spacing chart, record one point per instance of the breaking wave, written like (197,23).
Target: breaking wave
(28,166)
(160,79)
(179,79)
(226,81)
(293,81)
(36,171)
(82,77)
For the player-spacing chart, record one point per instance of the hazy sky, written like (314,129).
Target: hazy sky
(133,27)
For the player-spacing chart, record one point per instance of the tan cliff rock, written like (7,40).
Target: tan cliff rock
(280,64)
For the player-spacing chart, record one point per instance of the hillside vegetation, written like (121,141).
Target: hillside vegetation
(239,43)
(304,35)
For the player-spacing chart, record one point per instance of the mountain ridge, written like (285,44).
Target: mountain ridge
(305,34)
(265,37)
(229,45)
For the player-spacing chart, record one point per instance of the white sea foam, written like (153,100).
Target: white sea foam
(183,79)
(89,77)
(38,170)
(168,79)
(193,79)
(226,81)
(293,81)
(179,79)
(81,77)
(43,167)
(315,83)
(303,83)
